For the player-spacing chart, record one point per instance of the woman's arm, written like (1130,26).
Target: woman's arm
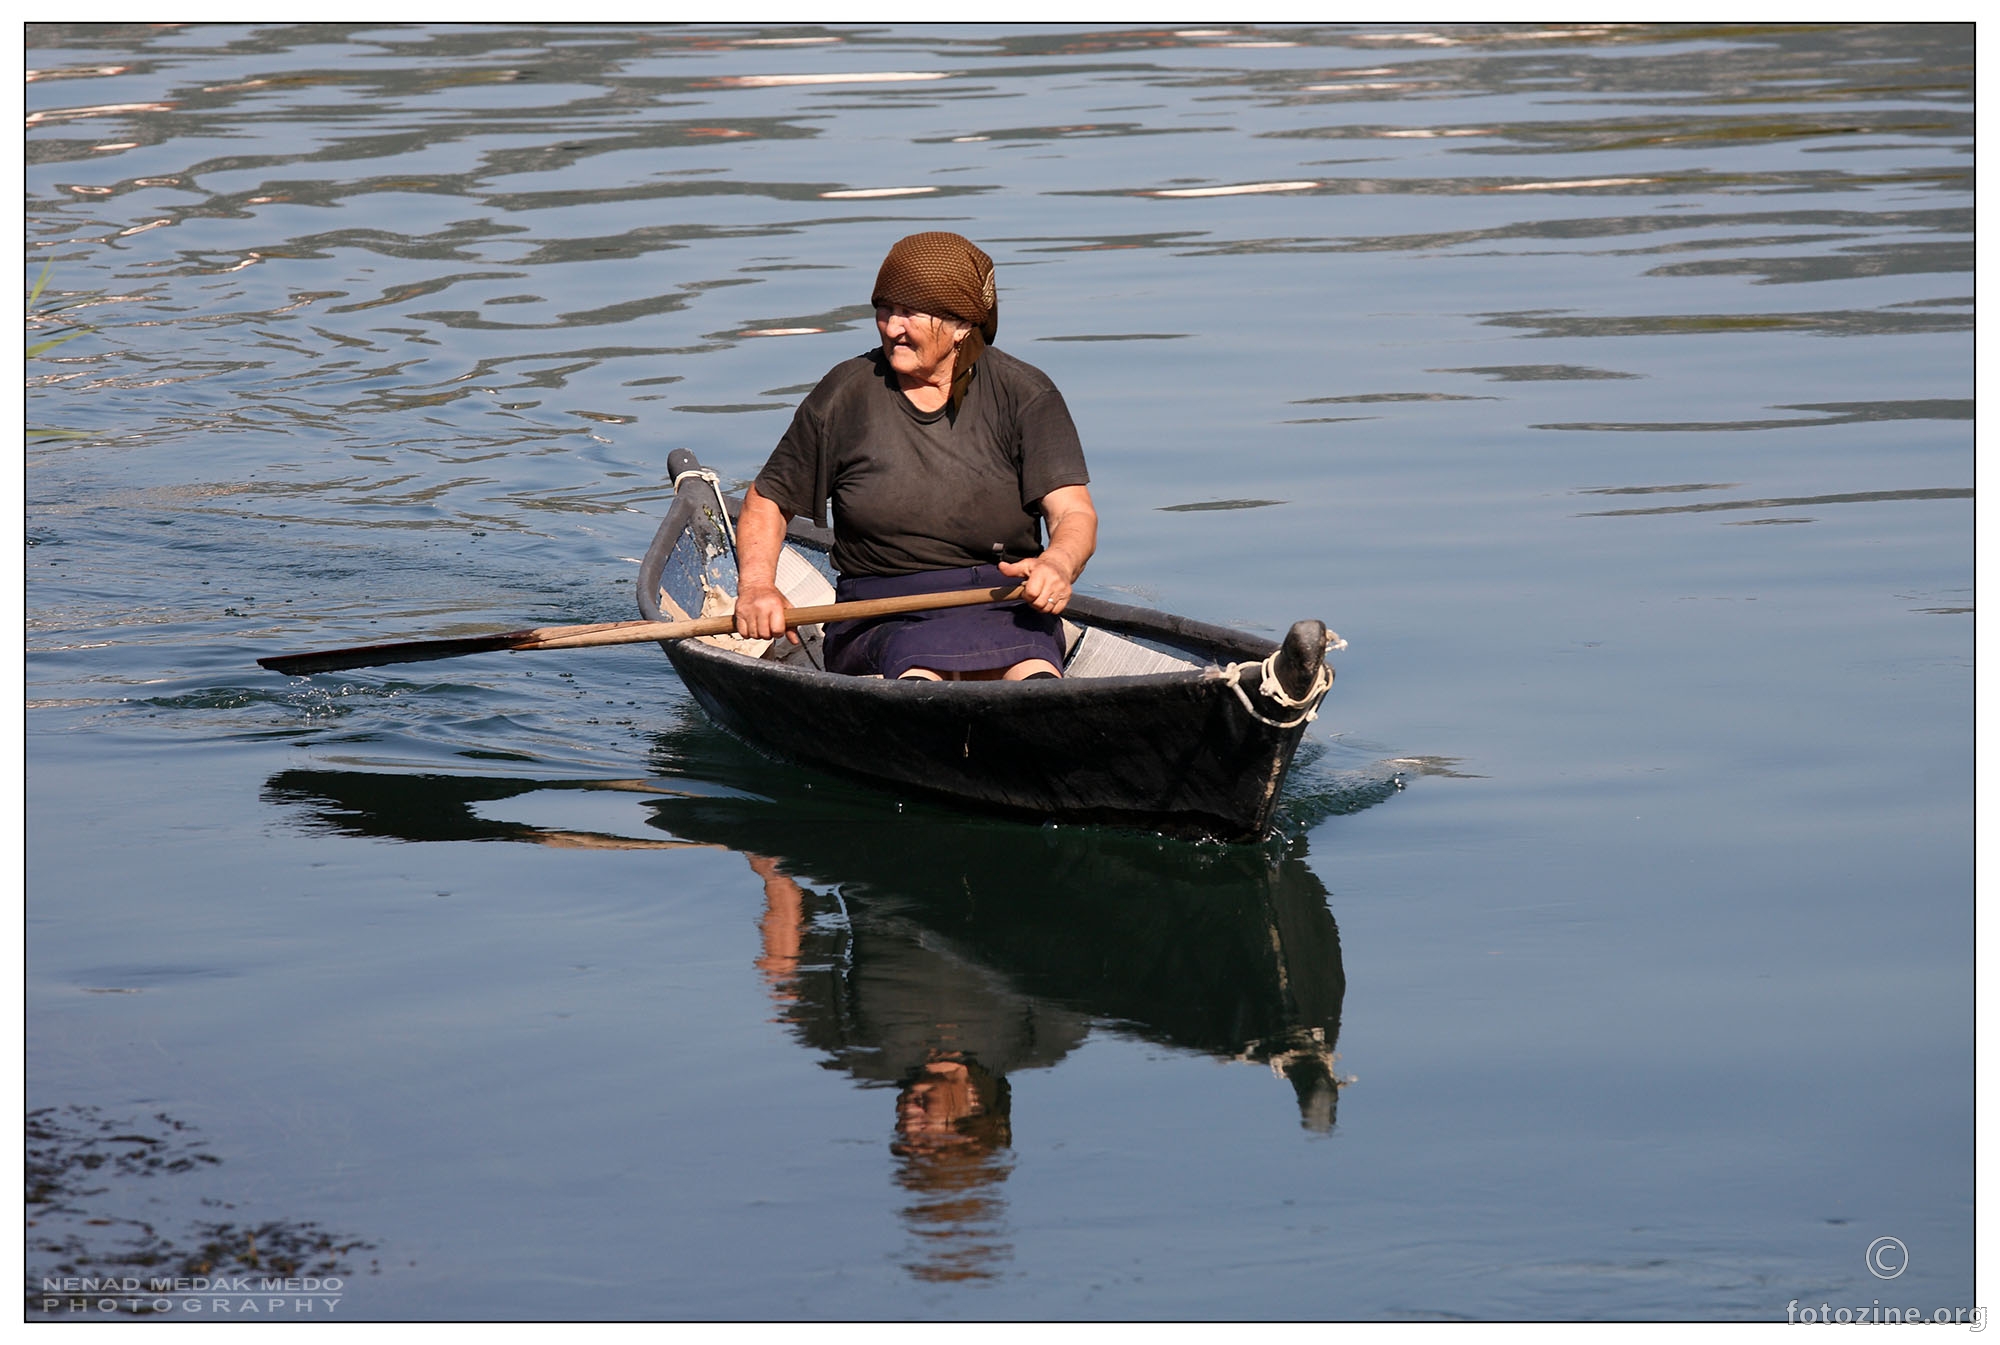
(1047,578)
(760,536)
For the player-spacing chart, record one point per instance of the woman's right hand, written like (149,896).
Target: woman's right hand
(760,613)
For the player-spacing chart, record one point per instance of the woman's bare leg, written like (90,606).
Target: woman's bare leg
(1023,669)
(1029,667)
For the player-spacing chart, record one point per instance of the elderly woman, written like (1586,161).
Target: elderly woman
(943,458)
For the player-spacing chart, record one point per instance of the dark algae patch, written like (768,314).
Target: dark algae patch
(103,1240)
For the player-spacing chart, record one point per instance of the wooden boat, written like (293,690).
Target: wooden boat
(1158,722)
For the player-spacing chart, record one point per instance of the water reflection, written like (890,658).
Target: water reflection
(934,955)
(1830,413)
(1790,501)
(1837,322)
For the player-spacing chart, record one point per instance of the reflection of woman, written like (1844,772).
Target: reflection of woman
(948,1102)
(942,459)
(890,1009)
(952,1133)
(882,998)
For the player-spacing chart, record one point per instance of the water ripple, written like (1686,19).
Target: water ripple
(1786,502)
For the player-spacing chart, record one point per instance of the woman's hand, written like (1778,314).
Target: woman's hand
(760,613)
(1046,579)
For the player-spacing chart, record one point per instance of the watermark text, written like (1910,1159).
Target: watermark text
(192,1295)
(1881,1313)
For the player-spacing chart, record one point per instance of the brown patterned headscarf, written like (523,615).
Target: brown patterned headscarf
(944,275)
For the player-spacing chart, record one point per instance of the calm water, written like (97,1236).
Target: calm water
(1610,390)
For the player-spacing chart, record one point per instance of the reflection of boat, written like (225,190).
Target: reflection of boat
(934,954)
(912,916)
(1231,952)
(431,807)
(1159,721)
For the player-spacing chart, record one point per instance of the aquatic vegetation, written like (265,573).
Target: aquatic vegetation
(38,348)
(34,317)
(85,1258)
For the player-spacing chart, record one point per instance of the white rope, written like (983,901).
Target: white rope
(715,483)
(1269,685)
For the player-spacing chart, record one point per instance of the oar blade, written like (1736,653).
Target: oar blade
(377,655)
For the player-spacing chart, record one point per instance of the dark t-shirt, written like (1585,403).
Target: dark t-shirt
(915,491)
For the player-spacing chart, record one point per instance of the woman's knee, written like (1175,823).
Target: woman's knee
(1034,667)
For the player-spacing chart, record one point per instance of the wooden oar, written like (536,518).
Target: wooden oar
(612,632)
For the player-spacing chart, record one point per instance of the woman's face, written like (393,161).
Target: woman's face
(930,1107)
(918,345)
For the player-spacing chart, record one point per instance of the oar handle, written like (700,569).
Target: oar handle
(638,632)
(614,632)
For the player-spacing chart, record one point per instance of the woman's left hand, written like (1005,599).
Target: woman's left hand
(1045,580)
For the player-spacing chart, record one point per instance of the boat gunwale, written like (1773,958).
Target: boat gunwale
(1070,689)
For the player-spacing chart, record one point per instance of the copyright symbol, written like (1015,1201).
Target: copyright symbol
(1887,1258)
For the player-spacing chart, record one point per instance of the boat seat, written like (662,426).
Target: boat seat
(801,582)
(1101,653)
(803,586)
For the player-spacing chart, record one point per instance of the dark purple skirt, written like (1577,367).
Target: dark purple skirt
(953,640)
